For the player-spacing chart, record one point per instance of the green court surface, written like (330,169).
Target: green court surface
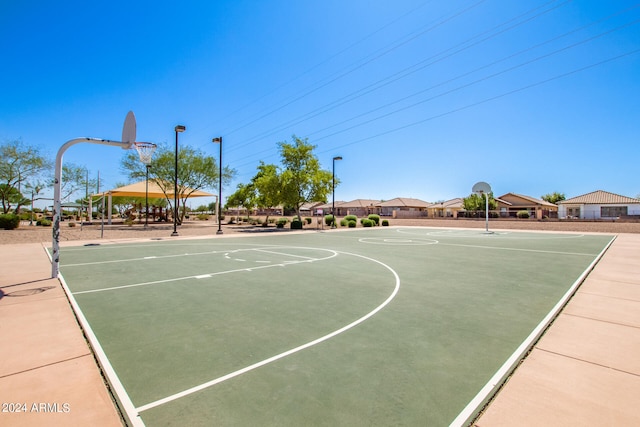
(384,326)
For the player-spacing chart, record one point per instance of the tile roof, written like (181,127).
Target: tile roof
(527,198)
(457,203)
(360,203)
(600,197)
(404,201)
(329,205)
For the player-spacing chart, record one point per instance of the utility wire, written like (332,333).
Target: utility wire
(493,98)
(354,68)
(401,74)
(477,81)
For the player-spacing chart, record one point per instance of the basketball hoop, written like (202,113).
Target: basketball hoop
(145,151)
(482,188)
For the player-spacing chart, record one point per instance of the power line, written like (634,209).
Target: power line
(473,82)
(486,100)
(357,66)
(401,74)
(504,71)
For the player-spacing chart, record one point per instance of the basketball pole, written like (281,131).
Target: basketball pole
(55,256)
(486,211)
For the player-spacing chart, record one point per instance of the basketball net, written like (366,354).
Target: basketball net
(145,151)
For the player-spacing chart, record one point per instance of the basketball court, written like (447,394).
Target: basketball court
(358,327)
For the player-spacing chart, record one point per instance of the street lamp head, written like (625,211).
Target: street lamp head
(180,128)
(337,158)
(217,140)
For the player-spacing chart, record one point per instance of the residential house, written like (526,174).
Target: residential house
(447,209)
(359,207)
(310,209)
(326,208)
(599,205)
(511,203)
(403,207)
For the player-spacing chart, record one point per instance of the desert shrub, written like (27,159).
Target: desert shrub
(352,224)
(351,218)
(343,222)
(281,222)
(272,220)
(366,222)
(72,224)
(523,214)
(296,224)
(203,217)
(307,220)
(328,219)
(9,221)
(385,222)
(375,218)
(44,222)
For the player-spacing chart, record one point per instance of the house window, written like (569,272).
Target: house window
(573,212)
(613,211)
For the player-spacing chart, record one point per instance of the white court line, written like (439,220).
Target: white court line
(140,259)
(177,279)
(284,354)
(517,249)
(227,255)
(511,363)
(157,256)
(478,233)
(125,401)
(280,253)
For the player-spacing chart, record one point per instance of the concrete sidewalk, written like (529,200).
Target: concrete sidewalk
(584,371)
(48,375)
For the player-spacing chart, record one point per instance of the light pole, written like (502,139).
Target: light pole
(218,140)
(178,129)
(333,188)
(36,189)
(146,198)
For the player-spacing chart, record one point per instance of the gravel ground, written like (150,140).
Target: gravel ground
(34,234)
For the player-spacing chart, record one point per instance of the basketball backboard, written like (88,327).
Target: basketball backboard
(129,130)
(481,188)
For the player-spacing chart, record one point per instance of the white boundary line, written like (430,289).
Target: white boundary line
(127,405)
(218,273)
(286,353)
(486,392)
(478,233)
(540,251)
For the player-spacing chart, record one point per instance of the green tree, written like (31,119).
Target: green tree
(554,197)
(476,202)
(11,197)
(20,165)
(244,196)
(75,180)
(196,171)
(267,186)
(302,180)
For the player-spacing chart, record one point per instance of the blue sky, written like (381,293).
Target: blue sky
(421,98)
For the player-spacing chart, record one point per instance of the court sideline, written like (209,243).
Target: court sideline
(583,370)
